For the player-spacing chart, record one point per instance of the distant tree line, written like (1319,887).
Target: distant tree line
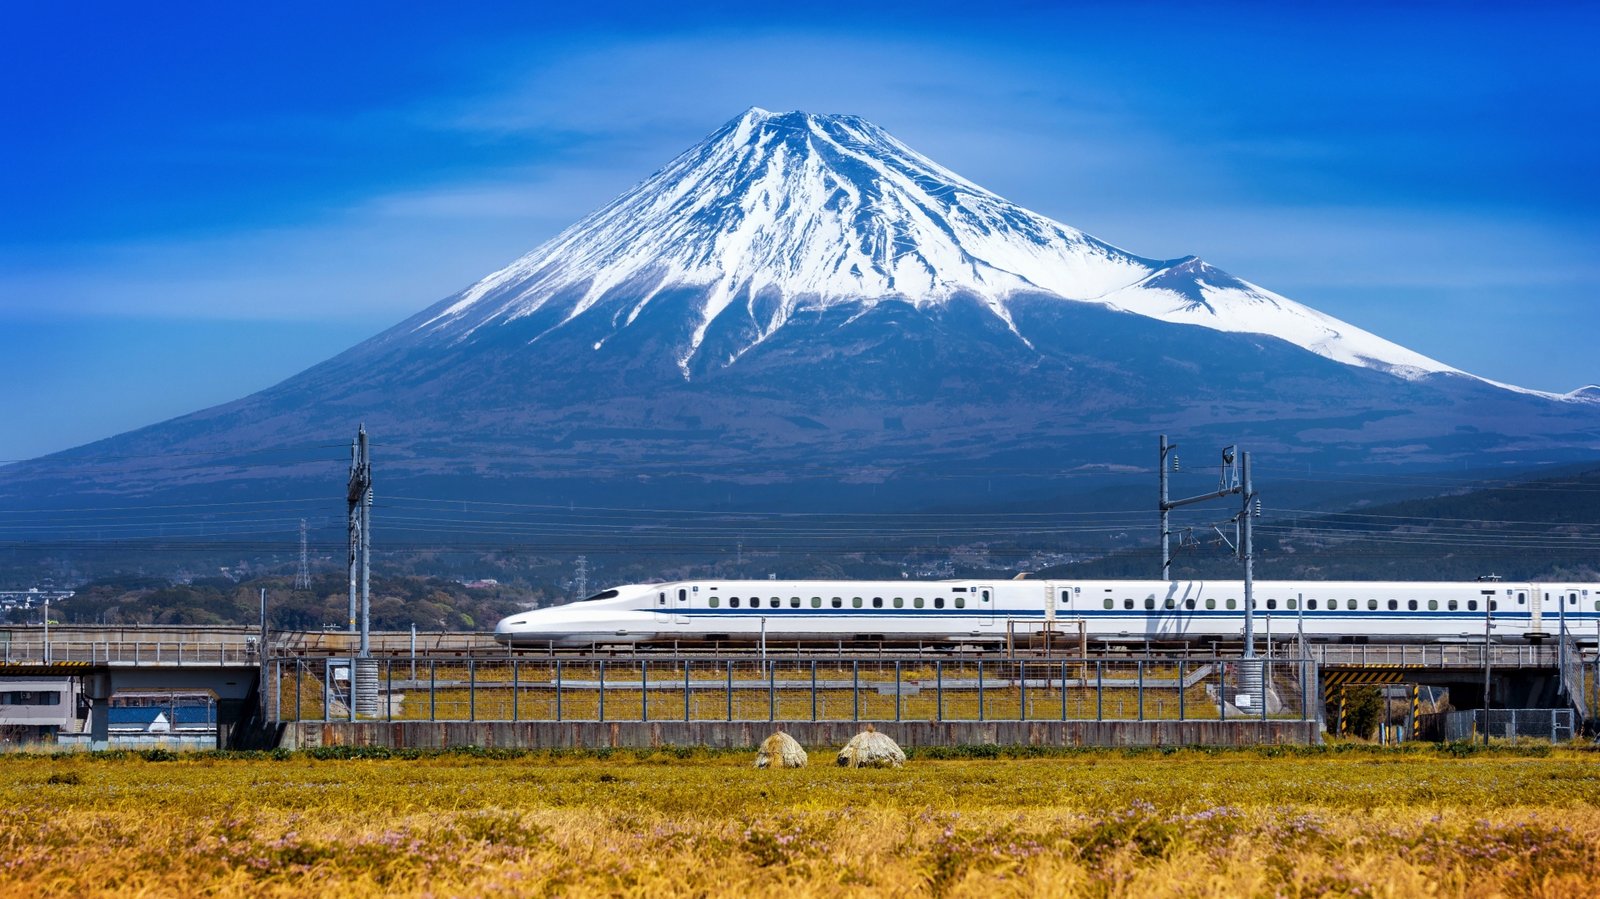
(397,603)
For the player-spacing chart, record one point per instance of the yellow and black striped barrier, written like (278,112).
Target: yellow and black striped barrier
(1362,678)
(41,669)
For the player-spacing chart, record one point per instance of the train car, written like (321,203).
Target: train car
(984,611)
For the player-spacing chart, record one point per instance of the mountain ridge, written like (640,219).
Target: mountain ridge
(774,212)
(595,366)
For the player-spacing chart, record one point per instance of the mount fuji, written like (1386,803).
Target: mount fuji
(802,306)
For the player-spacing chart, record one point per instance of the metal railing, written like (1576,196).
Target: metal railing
(819,689)
(1426,655)
(231,652)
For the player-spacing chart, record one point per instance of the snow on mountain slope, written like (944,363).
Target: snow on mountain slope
(776,212)
(1193,292)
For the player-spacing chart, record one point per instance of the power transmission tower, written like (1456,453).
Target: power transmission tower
(302,578)
(580,581)
(359,496)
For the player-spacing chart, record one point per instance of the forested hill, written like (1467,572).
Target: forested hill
(1543,529)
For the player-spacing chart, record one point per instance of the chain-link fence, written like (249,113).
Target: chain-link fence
(753,689)
(1554,725)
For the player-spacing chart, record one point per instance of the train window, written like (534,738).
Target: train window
(899,602)
(661,599)
(1572,599)
(1393,604)
(1311,604)
(1127,603)
(1294,604)
(1597,605)
(1110,602)
(816,602)
(1472,605)
(1411,604)
(1494,605)
(1066,597)
(1433,605)
(734,602)
(1272,603)
(794,602)
(838,602)
(682,594)
(1211,604)
(1522,598)
(917,601)
(713,602)
(985,594)
(1232,603)
(1171,604)
(855,602)
(1188,604)
(775,602)
(1372,604)
(961,602)
(1149,602)
(1452,605)
(938,602)
(877,602)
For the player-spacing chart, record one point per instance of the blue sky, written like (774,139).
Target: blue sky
(199,199)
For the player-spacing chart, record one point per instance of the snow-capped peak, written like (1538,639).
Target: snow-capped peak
(774,212)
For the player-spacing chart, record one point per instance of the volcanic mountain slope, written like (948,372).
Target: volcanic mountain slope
(802,298)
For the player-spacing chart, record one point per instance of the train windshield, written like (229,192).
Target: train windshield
(603,594)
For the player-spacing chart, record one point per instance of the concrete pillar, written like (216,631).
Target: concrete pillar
(97,689)
(229,714)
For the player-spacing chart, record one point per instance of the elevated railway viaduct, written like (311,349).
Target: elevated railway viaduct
(442,689)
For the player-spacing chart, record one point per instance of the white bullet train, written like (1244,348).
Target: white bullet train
(981,611)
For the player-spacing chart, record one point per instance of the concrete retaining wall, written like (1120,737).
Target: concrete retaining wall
(737,735)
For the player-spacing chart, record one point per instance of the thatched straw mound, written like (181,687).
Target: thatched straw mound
(781,751)
(871,749)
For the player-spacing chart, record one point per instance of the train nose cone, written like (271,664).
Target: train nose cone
(505,629)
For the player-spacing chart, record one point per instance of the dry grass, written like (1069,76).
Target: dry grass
(1088,824)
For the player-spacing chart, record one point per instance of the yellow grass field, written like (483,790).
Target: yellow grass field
(1291,823)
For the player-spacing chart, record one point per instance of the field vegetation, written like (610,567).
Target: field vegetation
(1321,821)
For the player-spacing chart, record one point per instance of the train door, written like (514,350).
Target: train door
(986,601)
(680,609)
(662,607)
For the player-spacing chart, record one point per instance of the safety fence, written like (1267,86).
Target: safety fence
(746,689)
(231,651)
(1554,725)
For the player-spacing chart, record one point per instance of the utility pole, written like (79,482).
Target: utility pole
(1488,624)
(359,497)
(1166,509)
(580,581)
(1235,480)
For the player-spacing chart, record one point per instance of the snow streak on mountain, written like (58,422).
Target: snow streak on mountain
(779,212)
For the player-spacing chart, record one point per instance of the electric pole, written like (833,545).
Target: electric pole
(1235,480)
(359,497)
(580,581)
